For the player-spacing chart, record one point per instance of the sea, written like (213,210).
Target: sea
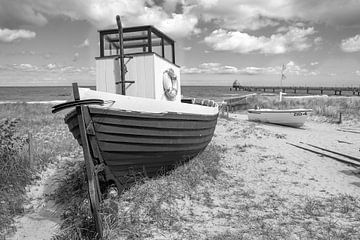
(28,94)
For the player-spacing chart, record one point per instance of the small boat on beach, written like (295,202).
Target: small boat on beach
(288,117)
(136,125)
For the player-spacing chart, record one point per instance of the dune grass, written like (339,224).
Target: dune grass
(14,172)
(149,204)
(49,139)
(155,208)
(327,107)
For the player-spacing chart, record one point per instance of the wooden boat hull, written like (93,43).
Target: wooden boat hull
(290,117)
(133,144)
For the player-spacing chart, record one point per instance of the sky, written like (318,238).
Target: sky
(55,42)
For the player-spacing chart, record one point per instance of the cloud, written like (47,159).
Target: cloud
(76,56)
(314,63)
(51,66)
(217,68)
(101,13)
(296,39)
(351,44)
(7,35)
(294,69)
(14,14)
(26,74)
(318,40)
(357,72)
(187,48)
(48,68)
(181,18)
(254,15)
(84,44)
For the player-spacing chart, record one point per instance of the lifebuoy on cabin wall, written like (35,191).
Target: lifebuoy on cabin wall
(170,84)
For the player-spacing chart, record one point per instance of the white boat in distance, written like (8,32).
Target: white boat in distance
(288,117)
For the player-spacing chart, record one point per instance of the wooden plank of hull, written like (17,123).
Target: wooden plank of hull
(116,138)
(113,158)
(168,115)
(137,131)
(133,147)
(154,122)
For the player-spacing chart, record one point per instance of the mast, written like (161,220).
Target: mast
(121,46)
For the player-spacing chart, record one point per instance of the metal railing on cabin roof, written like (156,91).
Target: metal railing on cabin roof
(137,40)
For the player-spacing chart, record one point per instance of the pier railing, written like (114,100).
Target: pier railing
(295,89)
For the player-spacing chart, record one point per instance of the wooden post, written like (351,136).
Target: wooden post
(162,47)
(340,118)
(31,160)
(93,182)
(121,47)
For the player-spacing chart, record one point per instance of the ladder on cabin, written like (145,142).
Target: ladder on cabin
(122,56)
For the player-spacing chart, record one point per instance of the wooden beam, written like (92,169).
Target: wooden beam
(149,41)
(335,152)
(90,172)
(101,45)
(326,155)
(162,48)
(121,47)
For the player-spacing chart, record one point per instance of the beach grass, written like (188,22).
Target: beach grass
(326,108)
(170,206)
(148,204)
(49,138)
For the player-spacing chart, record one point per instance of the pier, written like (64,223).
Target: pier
(297,89)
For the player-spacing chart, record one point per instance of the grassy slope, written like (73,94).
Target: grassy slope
(50,139)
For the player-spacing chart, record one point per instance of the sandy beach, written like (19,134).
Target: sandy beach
(266,184)
(260,154)
(265,188)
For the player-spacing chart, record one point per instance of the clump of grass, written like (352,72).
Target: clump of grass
(154,204)
(15,173)
(148,204)
(72,196)
(243,147)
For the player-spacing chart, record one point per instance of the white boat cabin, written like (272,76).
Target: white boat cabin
(149,57)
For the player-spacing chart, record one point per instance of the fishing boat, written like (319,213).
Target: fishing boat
(135,124)
(288,117)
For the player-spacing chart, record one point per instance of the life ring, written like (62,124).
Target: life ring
(170,84)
